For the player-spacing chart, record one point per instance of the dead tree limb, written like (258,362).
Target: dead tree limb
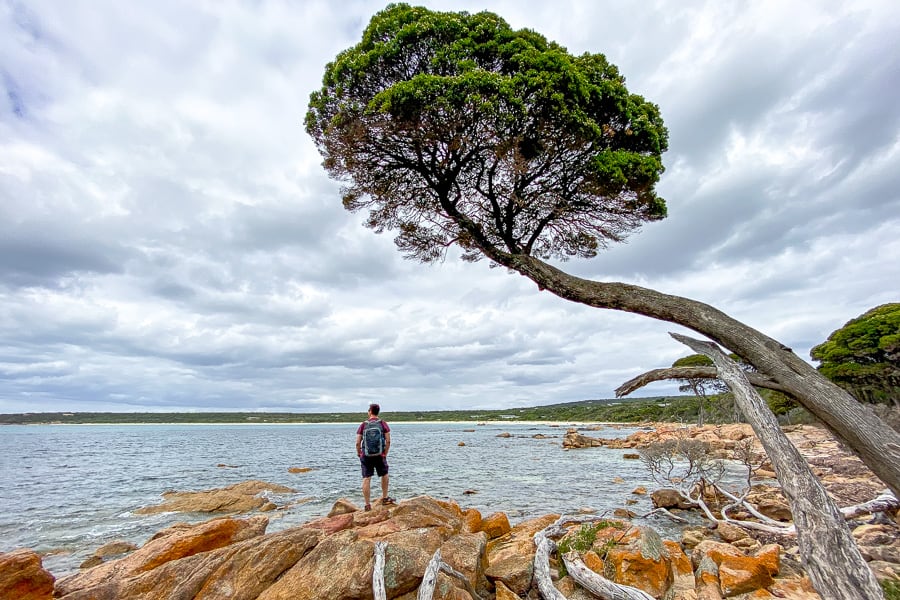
(666,512)
(830,555)
(545,546)
(643,379)
(378,572)
(429,579)
(599,585)
(465,581)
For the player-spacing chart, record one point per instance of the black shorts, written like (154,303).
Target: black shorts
(373,464)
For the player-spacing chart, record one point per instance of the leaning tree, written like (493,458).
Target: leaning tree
(455,129)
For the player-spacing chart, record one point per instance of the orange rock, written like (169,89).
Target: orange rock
(333,524)
(237,498)
(504,593)
(342,506)
(770,557)
(467,554)
(716,551)
(495,524)
(23,577)
(174,544)
(472,520)
(643,563)
(593,562)
(742,574)
(640,490)
(300,469)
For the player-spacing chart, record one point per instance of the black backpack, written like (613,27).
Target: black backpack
(373,438)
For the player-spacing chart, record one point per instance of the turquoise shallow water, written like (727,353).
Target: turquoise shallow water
(65,490)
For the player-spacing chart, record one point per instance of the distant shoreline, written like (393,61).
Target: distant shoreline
(637,410)
(549,424)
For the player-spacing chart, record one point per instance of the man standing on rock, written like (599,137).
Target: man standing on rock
(373,440)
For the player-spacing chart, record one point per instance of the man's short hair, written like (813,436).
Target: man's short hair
(374,408)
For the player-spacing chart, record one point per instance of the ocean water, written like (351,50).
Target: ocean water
(66,490)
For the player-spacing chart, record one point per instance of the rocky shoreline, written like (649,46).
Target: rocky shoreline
(334,557)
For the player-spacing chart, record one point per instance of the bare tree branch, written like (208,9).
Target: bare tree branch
(756,379)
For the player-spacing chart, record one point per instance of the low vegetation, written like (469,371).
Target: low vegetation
(677,408)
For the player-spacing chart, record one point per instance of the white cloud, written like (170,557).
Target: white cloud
(168,239)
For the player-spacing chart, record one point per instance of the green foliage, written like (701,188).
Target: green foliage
(778,403)
(694,360)
(453,128)
(583,539)
(891,589)
(863,356)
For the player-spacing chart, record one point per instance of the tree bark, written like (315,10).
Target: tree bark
(599,585)
(429,579)
(829,552)
(876,443)
(378,572)
(643,379)
(542,567)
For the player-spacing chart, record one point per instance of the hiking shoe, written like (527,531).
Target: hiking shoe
(388,500)
(368,507)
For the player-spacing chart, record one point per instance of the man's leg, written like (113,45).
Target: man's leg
(384,485)
(367,483)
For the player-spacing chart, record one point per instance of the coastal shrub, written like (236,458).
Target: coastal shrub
(583,540)
(891,589)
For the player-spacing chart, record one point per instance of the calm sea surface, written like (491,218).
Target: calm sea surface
(66,490)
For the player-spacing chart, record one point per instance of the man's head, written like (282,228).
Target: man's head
(374,409)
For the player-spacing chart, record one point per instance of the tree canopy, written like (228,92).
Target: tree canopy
(453,128)
(864,355)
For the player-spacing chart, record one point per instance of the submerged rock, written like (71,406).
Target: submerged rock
(238,498)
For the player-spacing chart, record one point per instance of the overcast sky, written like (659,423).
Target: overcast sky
(169,240)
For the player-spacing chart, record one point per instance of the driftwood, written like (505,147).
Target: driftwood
(545,546)
(885,502)
(830,555)
(666,512)
(378,572)
(643,379)
(599,585)
(429,579)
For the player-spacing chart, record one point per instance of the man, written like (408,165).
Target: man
(376,463)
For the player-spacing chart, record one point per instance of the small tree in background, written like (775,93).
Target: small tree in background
(863,356)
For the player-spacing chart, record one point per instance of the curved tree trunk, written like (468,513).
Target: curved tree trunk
(829,552)
(877,444)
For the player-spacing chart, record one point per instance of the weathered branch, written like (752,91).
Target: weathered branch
(666,512)
(599,585)
(643,379)
(885,502)
(429,579)
(465,581)
(378,572)
(542,567)
(830,555)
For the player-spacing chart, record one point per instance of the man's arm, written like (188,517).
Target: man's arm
(387,442)
(358,444)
